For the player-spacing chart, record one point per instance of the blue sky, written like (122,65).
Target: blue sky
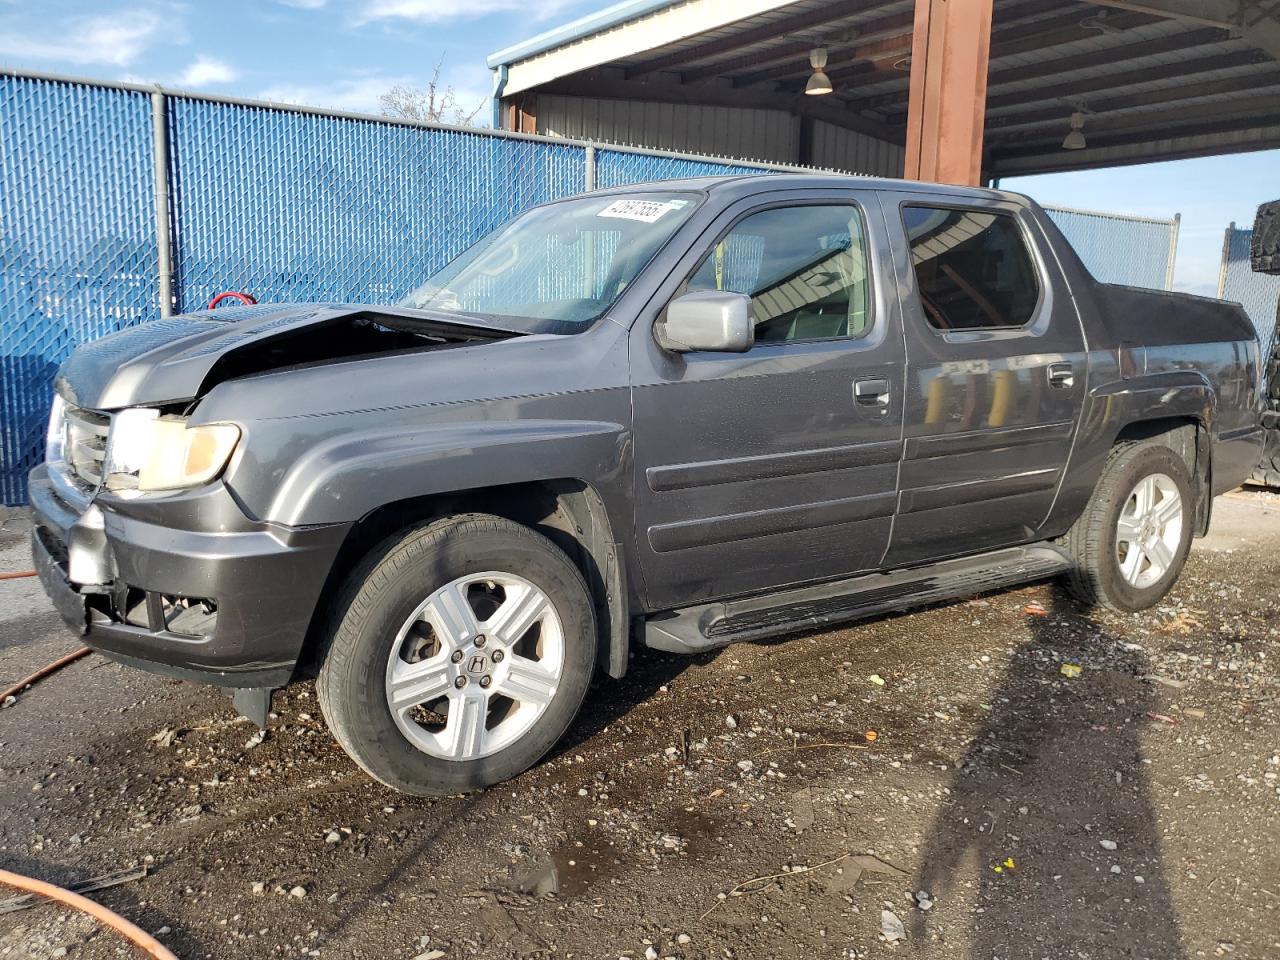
(334,53)
(1210,193)
(345,53)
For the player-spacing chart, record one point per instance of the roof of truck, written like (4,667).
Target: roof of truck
(749,184)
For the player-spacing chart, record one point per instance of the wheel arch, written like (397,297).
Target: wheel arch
(570,512)
(1180,405)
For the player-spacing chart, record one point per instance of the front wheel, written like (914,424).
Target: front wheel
(463,651)
(1131,542)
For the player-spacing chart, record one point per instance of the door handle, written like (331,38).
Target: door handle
(871,393)
(1062,376)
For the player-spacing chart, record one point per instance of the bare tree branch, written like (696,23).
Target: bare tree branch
(433,104)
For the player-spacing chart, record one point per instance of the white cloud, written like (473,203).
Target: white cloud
(438,11)
(303,4)
(114,39)
(206,71)
(358,95)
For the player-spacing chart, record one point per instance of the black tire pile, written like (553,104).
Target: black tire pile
(1265,254)
(1265,249)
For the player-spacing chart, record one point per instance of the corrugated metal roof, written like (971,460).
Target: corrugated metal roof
(831,27)
(1136,76)
(613,16)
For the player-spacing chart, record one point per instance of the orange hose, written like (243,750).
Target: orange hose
(44,672)
(17,576)
(96,910)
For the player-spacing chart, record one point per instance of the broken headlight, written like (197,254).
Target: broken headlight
(56,439)
(148,452)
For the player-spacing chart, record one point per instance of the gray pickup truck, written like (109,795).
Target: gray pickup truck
(677,415)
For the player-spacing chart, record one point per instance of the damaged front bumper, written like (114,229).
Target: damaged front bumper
(186,586)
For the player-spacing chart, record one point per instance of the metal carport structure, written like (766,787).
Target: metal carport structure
(955,90)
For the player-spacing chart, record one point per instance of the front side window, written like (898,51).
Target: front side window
(557,268)
(804,268)
(973,270)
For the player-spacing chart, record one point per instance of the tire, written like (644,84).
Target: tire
(1267,472)
(1265,243)
(1095,544)
(479,721)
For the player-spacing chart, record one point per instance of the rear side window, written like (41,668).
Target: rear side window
(973,270)
(804,268)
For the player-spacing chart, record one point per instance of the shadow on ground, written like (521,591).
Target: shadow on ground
(1072,835)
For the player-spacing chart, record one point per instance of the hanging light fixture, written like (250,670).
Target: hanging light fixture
(819,83)
(1075,139)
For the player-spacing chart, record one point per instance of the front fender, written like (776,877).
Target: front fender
(345,477)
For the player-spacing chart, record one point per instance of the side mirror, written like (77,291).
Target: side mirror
(708,320)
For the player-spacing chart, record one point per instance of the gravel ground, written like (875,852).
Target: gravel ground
(940,760)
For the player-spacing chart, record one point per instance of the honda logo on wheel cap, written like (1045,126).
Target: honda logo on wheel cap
(477,664)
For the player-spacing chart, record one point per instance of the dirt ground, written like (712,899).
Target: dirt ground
(1131,811)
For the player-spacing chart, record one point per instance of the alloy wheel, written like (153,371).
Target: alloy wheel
(1149,530)
(475,666)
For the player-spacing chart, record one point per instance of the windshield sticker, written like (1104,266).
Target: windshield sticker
(646,211)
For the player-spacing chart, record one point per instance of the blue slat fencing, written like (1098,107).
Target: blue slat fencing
(1137,251)
(296,206)
(289,204)
(77,243)
(1257,292)
(616,168)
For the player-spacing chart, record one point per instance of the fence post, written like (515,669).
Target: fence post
(1173,250)
(589,177)
(160,162)
(1226,256)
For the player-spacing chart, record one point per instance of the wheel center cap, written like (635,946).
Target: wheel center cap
(477,664)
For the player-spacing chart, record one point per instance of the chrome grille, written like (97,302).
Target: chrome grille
(86,448)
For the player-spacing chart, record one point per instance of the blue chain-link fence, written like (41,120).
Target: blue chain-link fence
(288,204)
(296,206)
(1257,292)
(614,168)
(1137,251)
(77,242)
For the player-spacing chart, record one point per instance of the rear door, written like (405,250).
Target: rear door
(776,466)
(995,375)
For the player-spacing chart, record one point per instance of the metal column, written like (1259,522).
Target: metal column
(160,165)
(589,170)
(1174,230)
(949,53)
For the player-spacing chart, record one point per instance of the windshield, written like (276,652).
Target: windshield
(557,268)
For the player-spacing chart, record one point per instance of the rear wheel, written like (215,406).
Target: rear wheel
(1267,472)
(1131,542)
(462,653)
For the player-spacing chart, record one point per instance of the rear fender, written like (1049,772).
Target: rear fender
(1184,394)
(1121,406)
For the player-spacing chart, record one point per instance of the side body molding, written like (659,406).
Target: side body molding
(347,476)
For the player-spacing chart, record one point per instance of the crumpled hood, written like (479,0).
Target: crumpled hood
(171,360)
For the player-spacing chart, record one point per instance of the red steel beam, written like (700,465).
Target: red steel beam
(949,59)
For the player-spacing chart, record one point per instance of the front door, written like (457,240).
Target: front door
(779,465)
(995,376)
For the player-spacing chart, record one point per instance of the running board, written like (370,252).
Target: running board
(712,625)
